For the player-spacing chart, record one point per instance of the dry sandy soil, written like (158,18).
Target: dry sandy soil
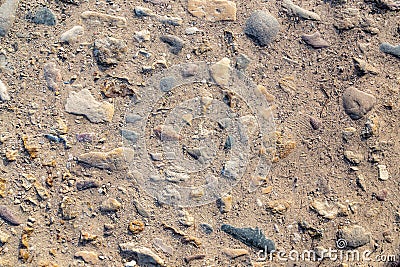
(308,168)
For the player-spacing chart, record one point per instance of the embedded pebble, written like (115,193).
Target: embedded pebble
(167,133)
(279,206)
(4,237)
(87,184)
(7,15)
(300,12)
(175,43)
(185,218)
(234,253)
(231,169)
(72,35)
(206,228)
(7,215)
(383,173)
(347,19)
(112,160)
(4,96)
(262,27)
(110,20)
(353,158)
(142,36)
(315,40)
(132,118)
(159,243)
(252,237)
(168,20)
(52,76)
(357,103)
(109,51)
(110,205)
(213,10)
(167,83)
(142,255)
(130,135)
(44,15)
(143,11)
(355,236)
(136,227)
(83,103)
(192,30)
(324,209)
(390,49)
(89,257)
(316,123)
(242,62)
(225,203)
(364,67)
(220,72)
(68,208)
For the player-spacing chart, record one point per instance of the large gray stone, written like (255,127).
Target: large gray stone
(262,27)
(357,103)
(7,15)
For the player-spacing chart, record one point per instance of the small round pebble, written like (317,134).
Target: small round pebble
(262,27)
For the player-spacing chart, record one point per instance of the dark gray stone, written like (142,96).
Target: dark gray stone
(129,135)
(390,49)
(175,43)
(262,27)
(357,103)
(252,237)
(206,228)
(44,15)
(355,236)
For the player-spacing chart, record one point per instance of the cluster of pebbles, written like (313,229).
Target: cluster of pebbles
(70,195)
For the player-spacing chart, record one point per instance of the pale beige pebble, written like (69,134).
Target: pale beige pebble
(83,103)
(4,237)
(89,257)
(364,67)
(225,203)
(261,91)
(234,253)
(300,12)
(87,237)
(69,209)
(41,191)
(352,157)
(71,36)
(185,218)
(167,133)
(111,20)
(324,209)
(188,118)
(110,205)
(4,95)
(383,173)
(279,206)
(142,36)
(220,72)
(112,160)
(197,193)
(213,10)
(143,255)
(159,243)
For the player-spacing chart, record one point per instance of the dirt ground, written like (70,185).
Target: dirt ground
(308,164)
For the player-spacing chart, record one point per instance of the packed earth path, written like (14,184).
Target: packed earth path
(199,133)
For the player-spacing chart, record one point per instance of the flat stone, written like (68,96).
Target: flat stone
(44,15)
(262,27)
(142,255)
(192,30)
(315,40)
(364,67)
(142,11)
(357,103)
(234,253)
(167,83)
(185,218)
(225,203)
(72,35)
(347,19)
(175,43)
(383,173)
(7,15)
(252,237)
(355,236)
(110,20)
(83,103)
(159,243)
(300,12)
(390,49)
(109,51)
(89,257)
(213,10)
(87,184)
(112,160)
(231,169)
(130,135)
(206,228)
(220,72)
(352,157)
(4,96)
(324,209)
(142,36)
(52,75)
(168,20)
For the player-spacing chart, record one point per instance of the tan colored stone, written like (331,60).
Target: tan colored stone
(225,203)
(89,257)
(213,10)
(110,205)
(279,206)
(112,160)
(220,72)
(234,253)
